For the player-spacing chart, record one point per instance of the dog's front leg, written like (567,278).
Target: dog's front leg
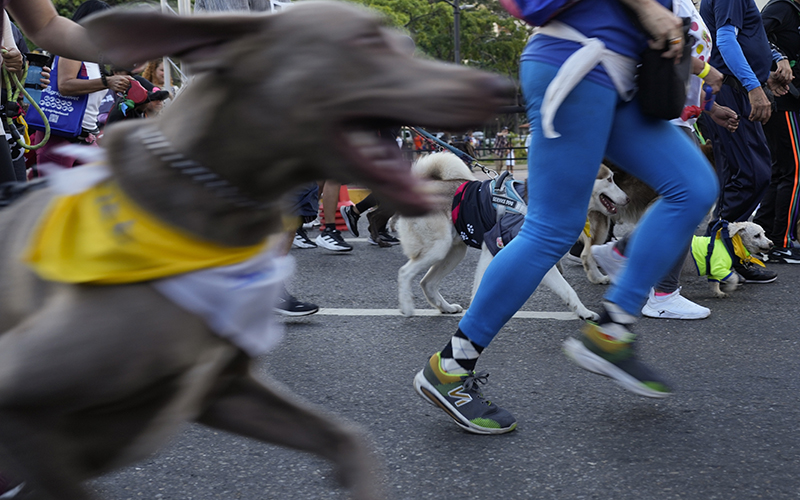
(556,282)
(249,408)
(599,232)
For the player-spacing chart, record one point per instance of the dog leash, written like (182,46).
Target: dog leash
(470,161)
(12,99)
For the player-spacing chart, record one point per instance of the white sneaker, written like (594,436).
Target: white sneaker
(301,240)
(332,240)
(673,306)
(609,259)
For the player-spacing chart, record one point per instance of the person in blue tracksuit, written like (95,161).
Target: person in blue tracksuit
(578,116)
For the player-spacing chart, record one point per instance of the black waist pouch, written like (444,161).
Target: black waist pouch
(662,83)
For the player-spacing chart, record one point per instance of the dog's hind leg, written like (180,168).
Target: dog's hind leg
(250,408)
(423,258)
(556,282)
(433,278)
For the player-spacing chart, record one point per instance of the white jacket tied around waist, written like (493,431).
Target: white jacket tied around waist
(621,69)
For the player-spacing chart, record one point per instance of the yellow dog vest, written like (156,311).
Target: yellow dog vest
(100,236)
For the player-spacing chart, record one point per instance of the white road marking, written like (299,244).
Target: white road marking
(559,315)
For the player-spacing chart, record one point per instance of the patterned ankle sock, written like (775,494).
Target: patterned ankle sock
(616,323)
(460,354)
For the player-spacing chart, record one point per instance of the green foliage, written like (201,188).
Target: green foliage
(490,38)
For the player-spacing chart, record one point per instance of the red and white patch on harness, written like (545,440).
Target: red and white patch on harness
(499,242)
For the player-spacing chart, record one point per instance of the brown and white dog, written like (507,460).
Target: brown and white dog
(94,377)
(606,200)
(433,244)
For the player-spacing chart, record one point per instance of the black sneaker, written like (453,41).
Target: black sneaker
(332,240)
(288,305)
(784,255)
(350,218)
(753,273)
(574,254)
(378,241)
(301,240)
(388,238)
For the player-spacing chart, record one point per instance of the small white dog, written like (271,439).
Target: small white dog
(746,238)
(432,243)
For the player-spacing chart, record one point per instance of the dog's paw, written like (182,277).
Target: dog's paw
(600,279)
(407,311)
(451,309)
(587,315)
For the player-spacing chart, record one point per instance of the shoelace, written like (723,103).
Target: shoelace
(471,379)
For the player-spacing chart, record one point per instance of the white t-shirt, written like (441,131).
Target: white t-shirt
(93,103)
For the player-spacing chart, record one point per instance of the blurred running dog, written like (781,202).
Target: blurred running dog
(433,243)
(97,376)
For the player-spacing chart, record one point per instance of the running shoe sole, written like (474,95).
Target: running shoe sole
(431,395)
(761,281)
(590,361)
(283,312)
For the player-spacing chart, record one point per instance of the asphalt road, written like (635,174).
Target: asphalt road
(731,430)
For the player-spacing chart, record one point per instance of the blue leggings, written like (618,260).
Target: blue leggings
(593,123)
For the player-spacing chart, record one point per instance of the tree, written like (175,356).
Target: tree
(490,38)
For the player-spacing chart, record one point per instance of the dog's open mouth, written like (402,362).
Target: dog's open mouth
(609,205)
(379,163)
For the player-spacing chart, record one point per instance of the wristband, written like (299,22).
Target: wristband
(706,69)
(105,80)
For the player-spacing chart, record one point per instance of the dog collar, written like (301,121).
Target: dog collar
(160,147)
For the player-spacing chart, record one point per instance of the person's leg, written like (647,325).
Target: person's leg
(565,169)
(746,166)
(665,159)
(784,130)
(331,238)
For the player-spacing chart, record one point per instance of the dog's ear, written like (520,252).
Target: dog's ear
(129,36)
(735,227)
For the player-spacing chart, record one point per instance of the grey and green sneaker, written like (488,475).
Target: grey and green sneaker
(460,398)
(600,353)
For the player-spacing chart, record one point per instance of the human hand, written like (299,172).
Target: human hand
(664,28)
(784,73)
(714,79)
(44,78)
(776,86)
(119,83)
(725,117)
(760,107)
(12,59)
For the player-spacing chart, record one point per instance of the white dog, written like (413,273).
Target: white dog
(607,196)
(746,238)
(432,242)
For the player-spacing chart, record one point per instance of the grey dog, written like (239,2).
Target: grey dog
(96,377)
